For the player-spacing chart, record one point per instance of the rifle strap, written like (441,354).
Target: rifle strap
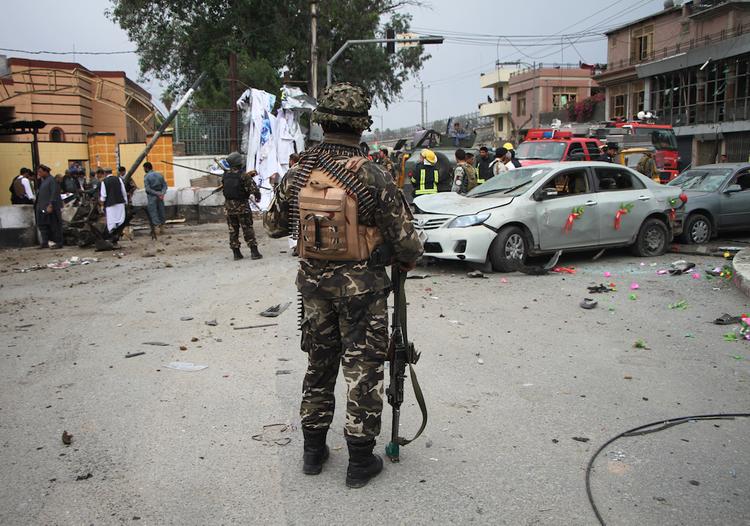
(420,401)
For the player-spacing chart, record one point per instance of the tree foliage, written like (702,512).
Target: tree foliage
(178,39)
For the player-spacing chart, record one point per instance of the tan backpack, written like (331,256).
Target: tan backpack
(329,219)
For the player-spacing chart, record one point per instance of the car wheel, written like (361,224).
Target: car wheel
(652,239)
(697,229)
(509,249)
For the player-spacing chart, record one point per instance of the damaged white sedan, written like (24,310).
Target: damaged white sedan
(545,208)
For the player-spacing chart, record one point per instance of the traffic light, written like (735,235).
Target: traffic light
(390,47)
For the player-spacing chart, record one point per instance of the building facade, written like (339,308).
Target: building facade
(498,106)
(689,64)
(541,90)
(74,101)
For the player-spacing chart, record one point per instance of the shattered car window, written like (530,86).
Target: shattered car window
(508,180)
(708,180)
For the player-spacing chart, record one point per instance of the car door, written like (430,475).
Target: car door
(735,206)
(619,188)
(574,191)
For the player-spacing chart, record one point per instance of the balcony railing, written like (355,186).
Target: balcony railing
(498,107)
(680,47)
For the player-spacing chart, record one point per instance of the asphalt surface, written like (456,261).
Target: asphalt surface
(512,369)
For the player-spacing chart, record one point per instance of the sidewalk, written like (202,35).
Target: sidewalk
(741,265)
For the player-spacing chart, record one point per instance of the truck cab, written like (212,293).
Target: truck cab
(552,145)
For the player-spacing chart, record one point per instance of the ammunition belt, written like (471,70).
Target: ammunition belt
(326,157)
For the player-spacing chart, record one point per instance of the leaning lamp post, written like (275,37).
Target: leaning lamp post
(426,39)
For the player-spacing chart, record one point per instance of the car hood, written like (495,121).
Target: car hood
(451,203)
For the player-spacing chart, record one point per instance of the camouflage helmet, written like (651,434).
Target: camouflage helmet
(344,103)
(234,160)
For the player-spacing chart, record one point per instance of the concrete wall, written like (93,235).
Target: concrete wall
(182,175)
(57,155)
(17,227)
(13,157)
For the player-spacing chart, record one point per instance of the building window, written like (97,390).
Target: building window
(521,104)
(499,123)
(56,135)
(618,102)
(561,97)
(642,42)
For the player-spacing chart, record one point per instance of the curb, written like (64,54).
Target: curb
(741,266)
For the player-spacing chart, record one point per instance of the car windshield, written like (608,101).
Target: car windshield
(708,180)
(542,150)
(517,178)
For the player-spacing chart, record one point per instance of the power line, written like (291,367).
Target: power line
(67,52)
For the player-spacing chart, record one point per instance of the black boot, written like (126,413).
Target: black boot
(237,254)
(315,450)
(363,464)
(254,254)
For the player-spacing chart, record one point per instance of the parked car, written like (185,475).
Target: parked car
(544,208)
(718,200)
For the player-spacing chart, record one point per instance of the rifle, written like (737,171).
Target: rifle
(400,353)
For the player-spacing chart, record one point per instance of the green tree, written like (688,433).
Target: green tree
(178,39)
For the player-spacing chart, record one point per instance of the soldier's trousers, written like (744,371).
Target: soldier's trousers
(235,221)
(353,331)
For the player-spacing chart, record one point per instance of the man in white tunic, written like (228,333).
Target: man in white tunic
(112,197)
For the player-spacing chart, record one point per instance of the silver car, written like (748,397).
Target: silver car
(718,200)
(549,207)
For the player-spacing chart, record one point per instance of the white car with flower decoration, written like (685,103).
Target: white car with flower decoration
(545,208)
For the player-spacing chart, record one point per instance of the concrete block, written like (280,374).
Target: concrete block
(17,226)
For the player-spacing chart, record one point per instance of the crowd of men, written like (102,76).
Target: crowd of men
(110,194)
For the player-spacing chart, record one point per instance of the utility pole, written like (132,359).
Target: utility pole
(421,89)
(233,140)
(314,48)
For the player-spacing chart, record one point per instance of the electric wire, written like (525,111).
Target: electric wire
(67,52)
(644,430)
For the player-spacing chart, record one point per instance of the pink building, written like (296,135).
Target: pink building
(542,90)
(690,65)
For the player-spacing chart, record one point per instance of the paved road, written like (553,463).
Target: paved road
(174,447)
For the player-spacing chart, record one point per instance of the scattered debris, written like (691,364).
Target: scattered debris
(730,337)
(476,274)
(276,310)
(183,347)
(84,477)
(581,439)
(633,297)
(680,305)
(627,377)
(159,344)
(417,276)
(641,344)
(212,323)
(607,274)
(601,288)
(274,434)
(588,303)
(695,275)
(599,254)
(186,318)
(134,354)
(255,326)
(185,366)
(193,339)
(634,286)
(540,270)
(680,267)
(283,371)
(67,438)
(564,270)
(694,483)
(480,361)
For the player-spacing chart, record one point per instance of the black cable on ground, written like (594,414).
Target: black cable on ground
(645,430)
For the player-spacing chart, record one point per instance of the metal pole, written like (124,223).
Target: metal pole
(233,101)
(314,49)
(165,124)
(421,89)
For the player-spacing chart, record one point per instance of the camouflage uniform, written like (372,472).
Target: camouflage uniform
(388,166)
(239,215)
(345,303)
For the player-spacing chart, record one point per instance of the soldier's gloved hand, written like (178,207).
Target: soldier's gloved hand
(406,267)
(257,196)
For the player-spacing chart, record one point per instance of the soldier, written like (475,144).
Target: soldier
(348,214)
(386,162)
(464,176)
(238,186)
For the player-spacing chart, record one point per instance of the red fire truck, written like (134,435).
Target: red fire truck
(662,137)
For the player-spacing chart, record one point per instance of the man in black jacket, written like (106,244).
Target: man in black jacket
(49,209)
